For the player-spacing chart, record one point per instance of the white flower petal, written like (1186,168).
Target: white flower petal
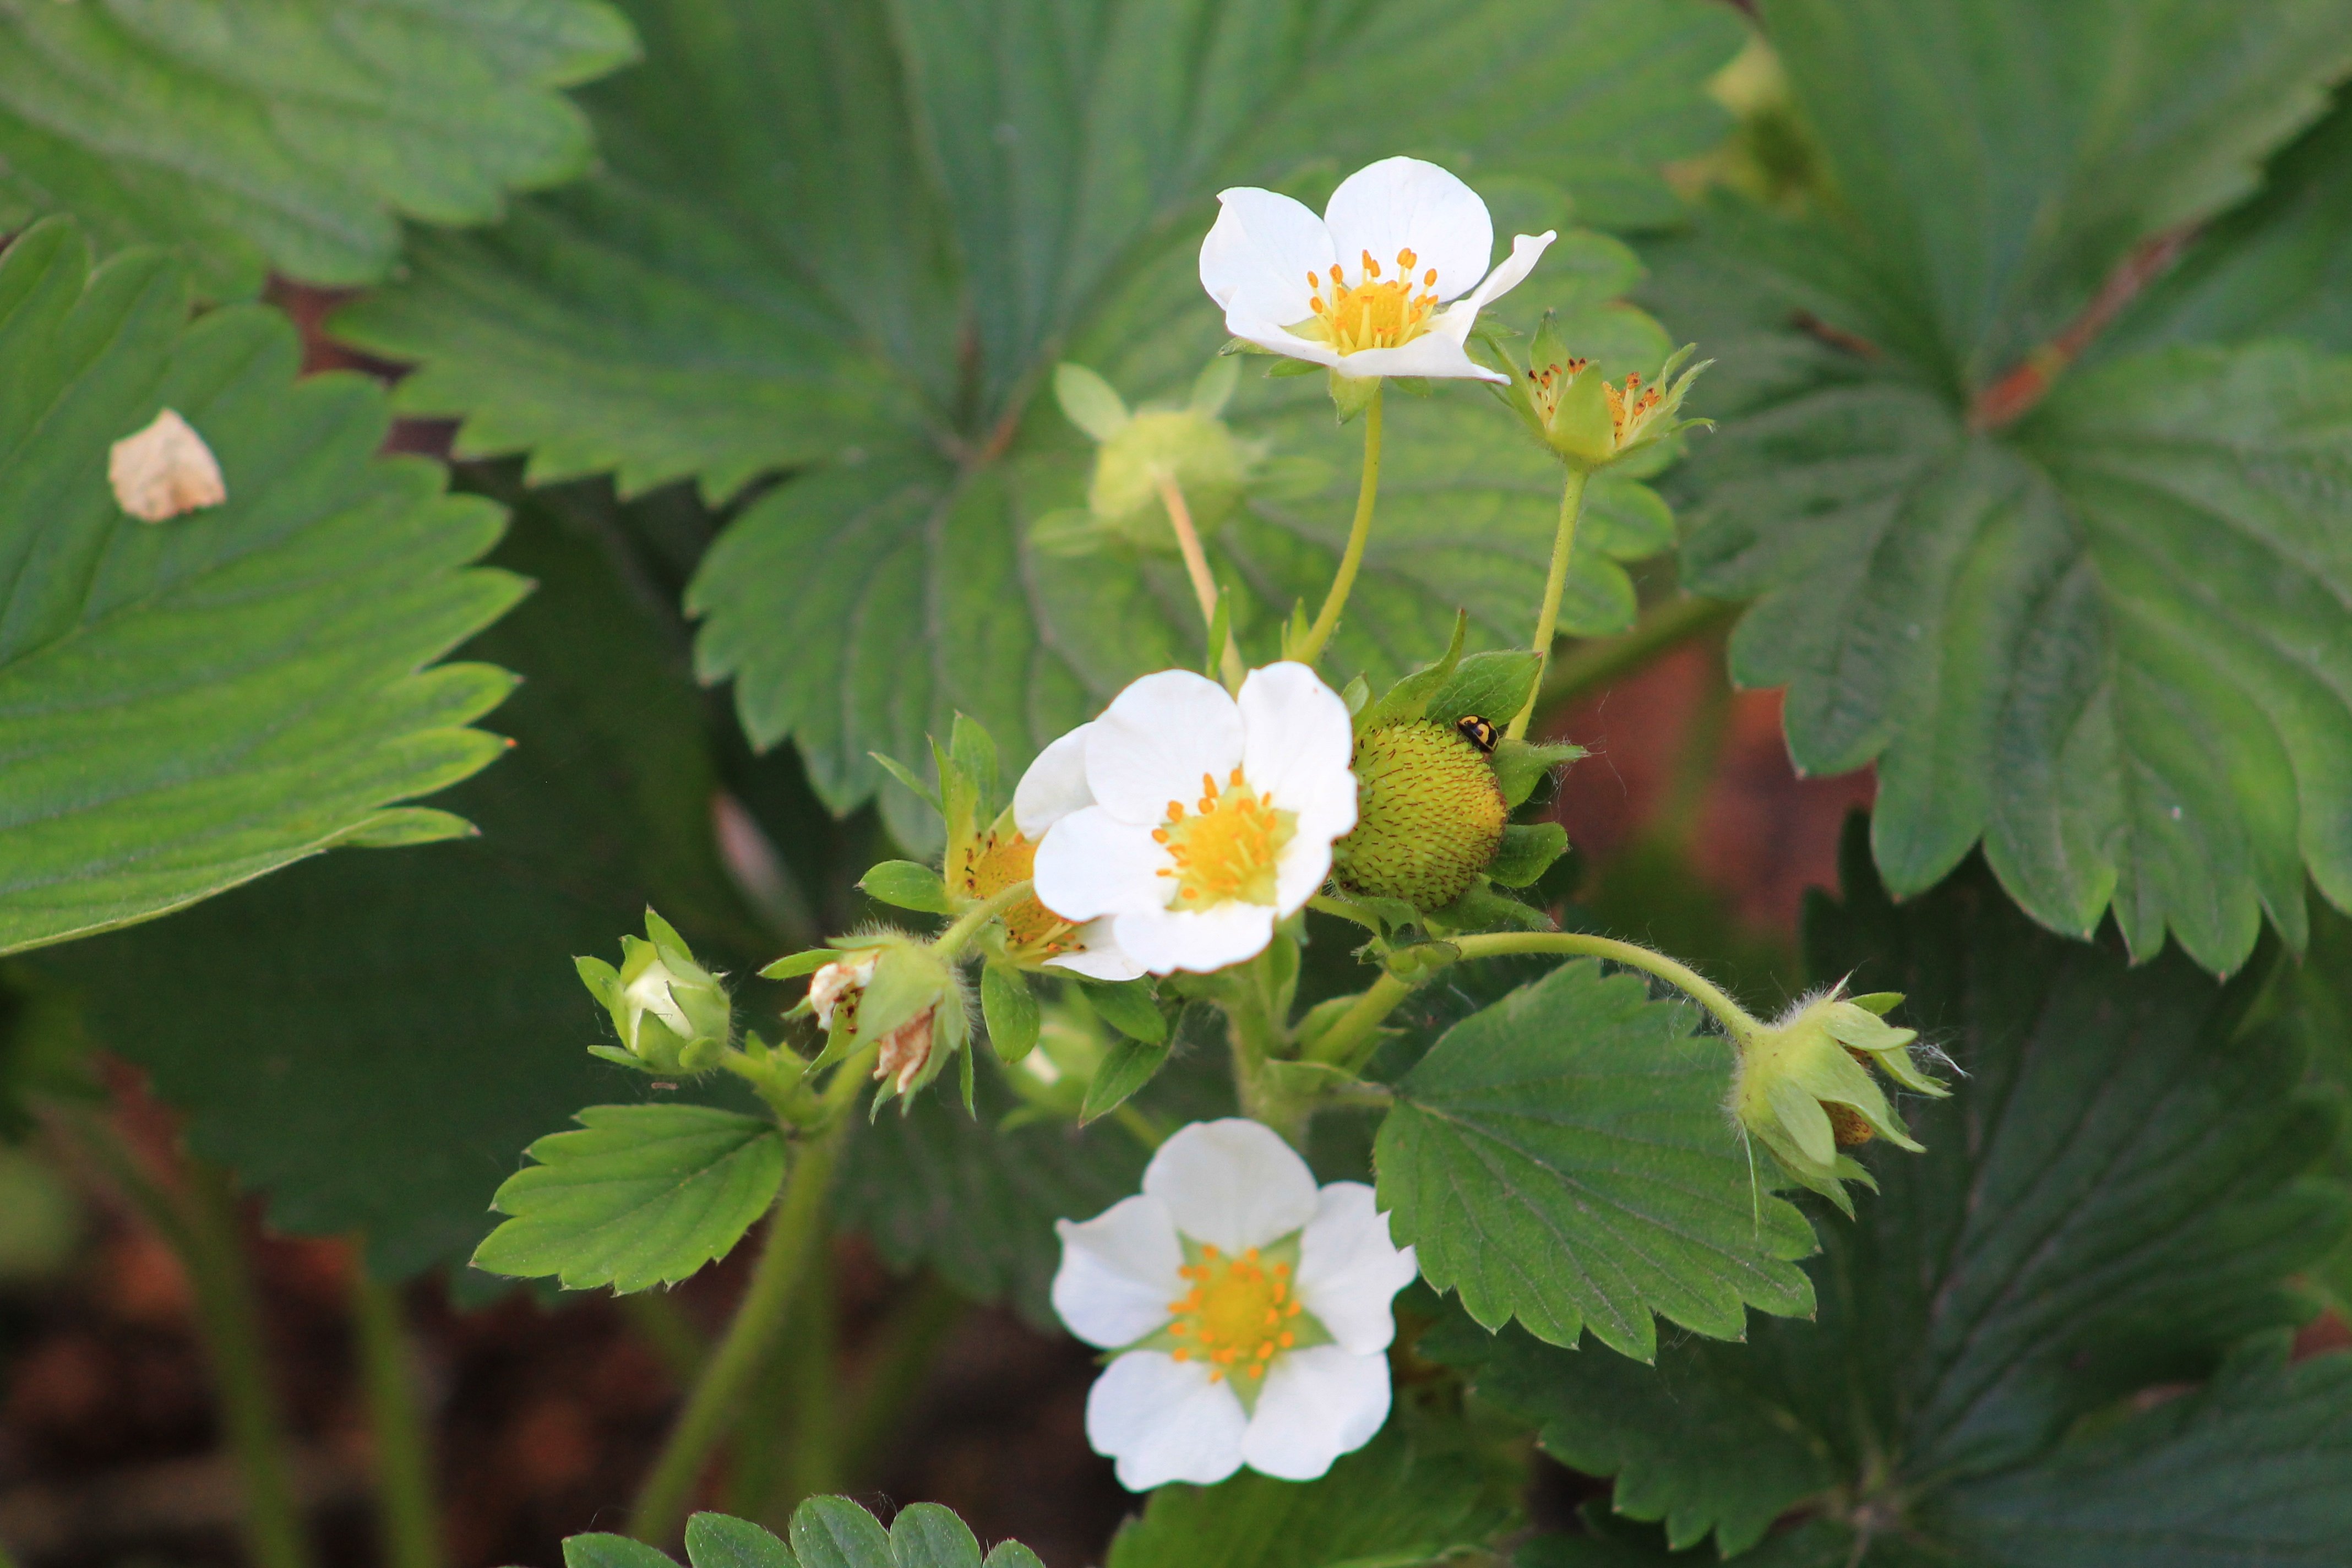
(1525,251)
(1119,1272)
(1164,1421)
(1055,785)
(1403,204)
(1091,864)
(1233,1183)
(1257,257)
(1348,1269)
(1305,866)
(1266,334)
(1199,942)
(1152,745)
(1098,955)
(1317,1405)
(1296,737)
(1433,354)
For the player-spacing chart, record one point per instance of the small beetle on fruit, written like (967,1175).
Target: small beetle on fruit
(1477,731)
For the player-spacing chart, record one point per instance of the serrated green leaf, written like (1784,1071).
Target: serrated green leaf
(2101,641)
(804,255)
(1127,1008)
(717,1541)
(605,1551)
(422,1019)
(291,136)
(908,886)
(1563,1158)
(643,1196)
(1396,1503)
(2112,1200)
(190,704)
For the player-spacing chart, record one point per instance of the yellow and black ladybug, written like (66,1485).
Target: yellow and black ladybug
(1478,732)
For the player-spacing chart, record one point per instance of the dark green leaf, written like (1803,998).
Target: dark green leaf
(421,1020)
(610,1551)
(2110,1203)
(2107,641)
(643,1196)
(1492,686)
(192,703)
(1563,1157)
(291,136)
(908,886)
(1393,1504)
(717,1541)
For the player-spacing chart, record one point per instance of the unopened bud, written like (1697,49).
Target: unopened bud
(906,1051)
(1805,1087)
(672,1014)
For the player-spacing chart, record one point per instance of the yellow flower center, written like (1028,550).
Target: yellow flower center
(1374,312)
(1227,848)
(1237,1315)
(1029,925)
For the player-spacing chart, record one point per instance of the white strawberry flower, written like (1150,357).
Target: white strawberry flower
(1365,288)
(1250,1309)
(1211,817)
(1054,787)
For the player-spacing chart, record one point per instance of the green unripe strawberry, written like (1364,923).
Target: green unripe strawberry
(1429,816)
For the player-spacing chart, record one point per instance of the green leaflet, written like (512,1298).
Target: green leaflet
(290,136)
(1563,1158)
(2111,1200)
(420,1020)
(1399,1501)
(190,704)
(642,1195)
(776,268)
(2105,641)
(825,1532)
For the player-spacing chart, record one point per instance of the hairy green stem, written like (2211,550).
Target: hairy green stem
(1564,544)
(795,1230)
(1352,558)
(953,939)
(229,1317)
(407,1518)
(1349,1041)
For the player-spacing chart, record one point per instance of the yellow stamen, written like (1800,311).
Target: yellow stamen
(1230,851)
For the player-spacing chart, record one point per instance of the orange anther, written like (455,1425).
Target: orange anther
(1429,278)
(1175,811)
(1371,268)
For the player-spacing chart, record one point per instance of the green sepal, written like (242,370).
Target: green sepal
(1520,765)
(1528,852)
(908,776)
(973,751)
(1409,698)
(1483,909)
(1010,1010)
(908,886)
(1351,395)
(908,978)
(792,965)
(1284,367)
(1493,686)
(1129,1065)
(1582,432)
(1221,626)
(1127,1008)
(1355,694)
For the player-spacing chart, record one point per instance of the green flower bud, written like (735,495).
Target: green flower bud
(1429,816)
(672,1014)
(892,990)
(1587,422)
(1804,1087)
(1139,449)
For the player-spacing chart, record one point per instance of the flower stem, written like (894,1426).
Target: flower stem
(1328,620)
(1664,627)
(1349,1041)
(795,1229)
(407,1522)
(952,940)
(1196,567)
(1564,544)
